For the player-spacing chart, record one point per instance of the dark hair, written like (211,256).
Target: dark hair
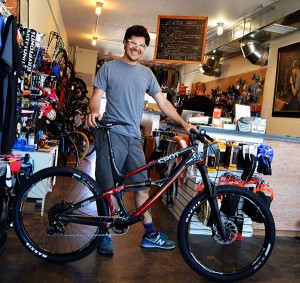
(137,30)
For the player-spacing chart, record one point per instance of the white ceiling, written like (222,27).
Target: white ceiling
(80,19)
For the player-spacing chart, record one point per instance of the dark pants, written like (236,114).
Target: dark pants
(129,156)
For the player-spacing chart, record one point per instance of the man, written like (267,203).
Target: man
(125,83)
(199,102)
(295,87)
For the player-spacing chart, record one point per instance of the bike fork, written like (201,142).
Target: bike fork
(211,191)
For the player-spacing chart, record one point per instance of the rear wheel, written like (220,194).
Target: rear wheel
(248,244)
(48,197)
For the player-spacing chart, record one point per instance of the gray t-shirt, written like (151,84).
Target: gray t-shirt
(125,86)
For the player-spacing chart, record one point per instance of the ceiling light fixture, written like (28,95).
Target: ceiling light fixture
(98,8)
(94,41)
(220,28)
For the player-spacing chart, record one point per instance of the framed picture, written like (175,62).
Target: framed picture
(286,103)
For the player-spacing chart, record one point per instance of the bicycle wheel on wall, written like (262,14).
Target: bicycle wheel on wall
(67,152)
(61,58)
(249,241)
(46,198)
(82,143)
(91,137)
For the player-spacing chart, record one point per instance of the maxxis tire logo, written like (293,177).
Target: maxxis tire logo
(30,247)
(190,214)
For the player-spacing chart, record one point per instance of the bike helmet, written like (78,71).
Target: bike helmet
(14,162)
(265,155)
(47,110)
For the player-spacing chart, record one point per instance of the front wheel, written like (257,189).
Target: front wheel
(249,239)
(44,200)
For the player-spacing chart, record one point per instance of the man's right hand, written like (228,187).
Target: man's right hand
(91,119)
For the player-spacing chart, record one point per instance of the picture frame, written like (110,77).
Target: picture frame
(284,103)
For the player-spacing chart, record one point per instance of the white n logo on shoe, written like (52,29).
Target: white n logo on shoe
(160,242)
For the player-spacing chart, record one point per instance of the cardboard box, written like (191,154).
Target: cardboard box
(259,125)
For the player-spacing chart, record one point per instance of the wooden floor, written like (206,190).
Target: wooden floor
(131,263)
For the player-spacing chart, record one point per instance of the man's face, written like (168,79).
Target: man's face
(134,48)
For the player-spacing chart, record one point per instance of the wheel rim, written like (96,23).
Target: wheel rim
(241,254)
(38,216)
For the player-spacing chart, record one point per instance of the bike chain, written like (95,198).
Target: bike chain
(98,235)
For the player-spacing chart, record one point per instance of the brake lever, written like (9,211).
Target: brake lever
(203,134)
(209,138)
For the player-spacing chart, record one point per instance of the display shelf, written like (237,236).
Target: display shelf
(43,158)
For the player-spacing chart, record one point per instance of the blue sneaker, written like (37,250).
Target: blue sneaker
(160,241)
(106,246)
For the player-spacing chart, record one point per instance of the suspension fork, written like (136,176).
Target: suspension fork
(212,197)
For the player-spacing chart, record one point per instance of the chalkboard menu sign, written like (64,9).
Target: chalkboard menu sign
(180,39)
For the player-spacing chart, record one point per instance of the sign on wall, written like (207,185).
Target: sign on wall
(180,39)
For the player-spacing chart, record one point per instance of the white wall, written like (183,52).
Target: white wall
(44,17)
(239,65)
(85,66)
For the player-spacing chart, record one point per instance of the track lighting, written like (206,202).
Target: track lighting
(98,8)
(220,28)
(94,41)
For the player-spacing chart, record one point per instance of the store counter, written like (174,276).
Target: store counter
(285,178)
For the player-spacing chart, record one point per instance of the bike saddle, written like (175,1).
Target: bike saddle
(110,124)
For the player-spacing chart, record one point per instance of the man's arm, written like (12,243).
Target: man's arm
(94,106)
(168,109)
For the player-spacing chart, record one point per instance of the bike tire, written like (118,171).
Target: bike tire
(82,143)
(4,219)
(67,152)
(33,220)
(91,137)
(237,258)
(61,58)
(80,88)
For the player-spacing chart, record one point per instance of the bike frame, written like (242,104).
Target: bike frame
(190,156)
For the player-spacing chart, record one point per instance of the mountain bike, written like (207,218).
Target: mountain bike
(67,227)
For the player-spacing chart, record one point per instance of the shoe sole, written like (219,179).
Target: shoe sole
(157,247)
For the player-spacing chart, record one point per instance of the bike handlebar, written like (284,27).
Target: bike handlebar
(201,136)
(108,124)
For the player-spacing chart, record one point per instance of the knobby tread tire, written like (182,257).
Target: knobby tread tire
(39,246)
(198,261)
